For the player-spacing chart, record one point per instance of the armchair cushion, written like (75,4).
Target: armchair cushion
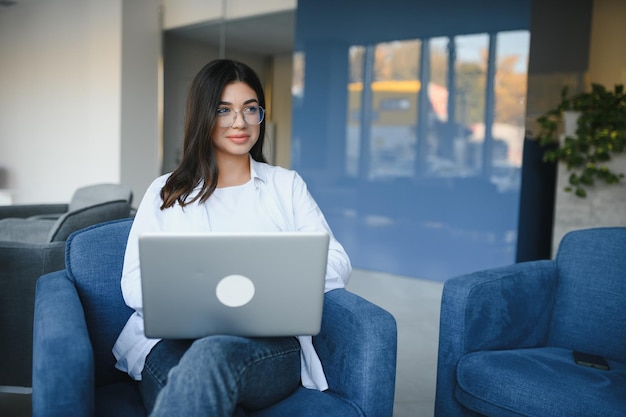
(80,311)
(309,403)
(491,383)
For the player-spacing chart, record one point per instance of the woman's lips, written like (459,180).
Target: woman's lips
(239,139)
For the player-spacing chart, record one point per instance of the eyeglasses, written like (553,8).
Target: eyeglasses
(252,115)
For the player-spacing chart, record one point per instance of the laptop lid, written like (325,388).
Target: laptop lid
(260,284)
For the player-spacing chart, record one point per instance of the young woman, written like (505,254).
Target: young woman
(222,184)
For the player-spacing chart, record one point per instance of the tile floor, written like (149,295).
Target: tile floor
(15,402)
(415,305)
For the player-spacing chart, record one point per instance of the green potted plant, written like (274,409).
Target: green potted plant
(600,132)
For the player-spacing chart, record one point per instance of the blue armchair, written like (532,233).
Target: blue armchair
(507,334)
(80,311)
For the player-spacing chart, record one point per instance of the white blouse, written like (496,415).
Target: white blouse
(275,199)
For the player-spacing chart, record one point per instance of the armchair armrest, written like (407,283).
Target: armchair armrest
(501,308)
(358,348)
(63,367)
(28,210)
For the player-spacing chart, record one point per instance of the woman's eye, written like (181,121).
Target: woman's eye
(251,110)
(223,112)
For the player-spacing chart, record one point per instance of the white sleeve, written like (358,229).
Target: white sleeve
(309,217)
(146,219)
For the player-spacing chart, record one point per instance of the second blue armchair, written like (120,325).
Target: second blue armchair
(507,334)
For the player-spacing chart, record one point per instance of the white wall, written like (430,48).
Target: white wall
(80,90)
(59,96)
(79,102)
(141,91)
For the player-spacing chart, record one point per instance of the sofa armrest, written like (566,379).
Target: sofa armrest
(21,265)
(63,367)
(28,210)
(358,347)
(496,309)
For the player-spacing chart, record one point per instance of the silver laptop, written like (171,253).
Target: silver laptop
(261,284)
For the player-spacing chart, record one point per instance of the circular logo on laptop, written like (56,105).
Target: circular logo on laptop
(235,290)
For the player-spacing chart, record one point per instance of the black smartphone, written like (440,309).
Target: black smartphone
(590,360)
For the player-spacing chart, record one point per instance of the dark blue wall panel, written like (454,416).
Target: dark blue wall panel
(426,190)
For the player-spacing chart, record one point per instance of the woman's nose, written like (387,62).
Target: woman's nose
(239,121)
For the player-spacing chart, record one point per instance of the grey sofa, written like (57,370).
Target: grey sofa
(31,247)
(86,196)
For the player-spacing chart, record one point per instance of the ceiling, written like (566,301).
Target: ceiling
(270,34)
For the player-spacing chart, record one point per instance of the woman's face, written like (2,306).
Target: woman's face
(233,134)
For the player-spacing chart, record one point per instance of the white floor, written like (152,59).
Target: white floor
(415,304)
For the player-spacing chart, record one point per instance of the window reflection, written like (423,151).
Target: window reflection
(413,150)
(297,81)
(448,136)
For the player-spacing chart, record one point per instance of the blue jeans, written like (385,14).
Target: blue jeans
(219,375)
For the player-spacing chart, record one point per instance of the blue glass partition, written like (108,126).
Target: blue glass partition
(408,125)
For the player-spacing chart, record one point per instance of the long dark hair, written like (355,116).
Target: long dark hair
(198,164)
